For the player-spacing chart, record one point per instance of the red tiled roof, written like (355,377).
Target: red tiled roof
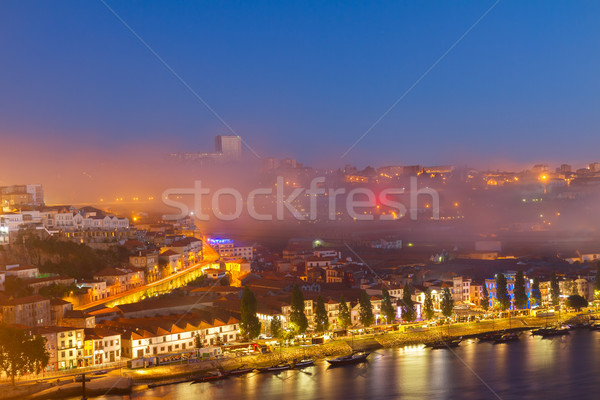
(23,300)
(111,271)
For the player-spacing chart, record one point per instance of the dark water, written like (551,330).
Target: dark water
(533,368)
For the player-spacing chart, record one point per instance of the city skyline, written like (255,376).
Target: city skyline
(261,192)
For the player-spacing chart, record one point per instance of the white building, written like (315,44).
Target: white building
(156,336)
(230,146)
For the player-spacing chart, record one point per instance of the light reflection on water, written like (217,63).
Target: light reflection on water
(533,368)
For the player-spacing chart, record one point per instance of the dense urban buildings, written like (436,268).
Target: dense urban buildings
(108,313)
(360,200)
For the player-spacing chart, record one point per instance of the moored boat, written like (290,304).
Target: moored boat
(489,336)
(304,363)
(212,376)
(554,332)
(541,331)
(275,368)
(507,337)
(446,343)
(353,358)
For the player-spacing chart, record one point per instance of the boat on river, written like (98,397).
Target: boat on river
(550,332)
(240,371)
(507,337)
(445,343)
(276,368)
(210,377)
(489,336)
(304,363)
(353,358)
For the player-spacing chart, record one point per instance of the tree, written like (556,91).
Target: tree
(288,335)
(447,303)
(321,317)
(408,306)
(21,354)
(36,354)
(485,299)
(249,323)
(554,290)
(165,269)
(197,341)
(387,309)
(535,292)
(366,310)
(520,295)
(344,318)
(577,302)
(428,306)
(60,291)
(298,319)
(502,292)
(276,328)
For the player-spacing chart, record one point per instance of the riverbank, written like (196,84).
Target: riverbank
(170,373)
(468,329)
(531,368)
(338,347)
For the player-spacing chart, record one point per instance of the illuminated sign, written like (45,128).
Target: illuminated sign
(219,241)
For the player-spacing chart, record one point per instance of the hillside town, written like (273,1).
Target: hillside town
(267,200)
(150,293)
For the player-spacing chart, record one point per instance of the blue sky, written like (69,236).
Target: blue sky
(306,79)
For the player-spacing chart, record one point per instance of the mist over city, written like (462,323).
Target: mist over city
(329,200)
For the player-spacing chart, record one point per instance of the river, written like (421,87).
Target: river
(533,368)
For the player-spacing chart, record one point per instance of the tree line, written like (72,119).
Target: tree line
(520,299)
(250,325)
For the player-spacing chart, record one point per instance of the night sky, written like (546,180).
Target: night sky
(306,79)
